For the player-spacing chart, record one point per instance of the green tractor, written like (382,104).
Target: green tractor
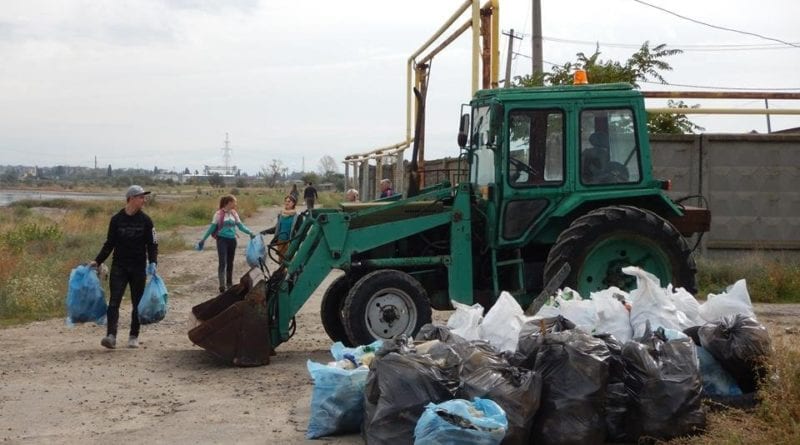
(559,193)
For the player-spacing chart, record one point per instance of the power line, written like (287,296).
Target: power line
(715,26)
(685,48)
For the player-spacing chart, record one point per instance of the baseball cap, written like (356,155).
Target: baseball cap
(135,190)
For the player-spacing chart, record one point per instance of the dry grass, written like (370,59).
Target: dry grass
(771,277)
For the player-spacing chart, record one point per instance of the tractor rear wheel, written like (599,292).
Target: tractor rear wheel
(384,304)
(599,244)
(331,310)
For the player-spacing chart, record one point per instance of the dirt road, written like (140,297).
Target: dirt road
(58,385)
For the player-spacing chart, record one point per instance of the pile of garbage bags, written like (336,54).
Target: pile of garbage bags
(616,367)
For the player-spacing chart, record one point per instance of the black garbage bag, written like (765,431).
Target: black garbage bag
(663,383)
(616,412)
(485,373)
(530,338)
(574,371)
(741,345)
(437,332)
(398,388)
(616,396)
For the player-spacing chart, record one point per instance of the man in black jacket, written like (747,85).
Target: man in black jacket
(132,238)
(310,195)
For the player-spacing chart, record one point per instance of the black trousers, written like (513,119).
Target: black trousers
(226,248)
(121,277)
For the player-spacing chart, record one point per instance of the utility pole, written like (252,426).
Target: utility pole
(511,38)
(769,125)
(226,154)
(536,54)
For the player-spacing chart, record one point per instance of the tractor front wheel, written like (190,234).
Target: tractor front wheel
(384,304)
(599,244)
(331,310)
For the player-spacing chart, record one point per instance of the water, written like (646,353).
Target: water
(9,196)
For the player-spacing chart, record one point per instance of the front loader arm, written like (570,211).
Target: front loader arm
(328,242)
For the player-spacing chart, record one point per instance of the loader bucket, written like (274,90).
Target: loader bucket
(234,326)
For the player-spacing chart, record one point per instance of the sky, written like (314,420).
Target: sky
(159,83)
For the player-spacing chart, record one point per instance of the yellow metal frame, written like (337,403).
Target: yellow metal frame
(414,59)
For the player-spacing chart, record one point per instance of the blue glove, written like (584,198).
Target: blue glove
(151,269)
(199,245)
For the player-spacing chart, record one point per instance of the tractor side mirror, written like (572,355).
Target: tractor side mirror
(495,121)
(463,127)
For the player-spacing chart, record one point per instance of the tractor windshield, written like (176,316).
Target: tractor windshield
(482,159)
(609,151)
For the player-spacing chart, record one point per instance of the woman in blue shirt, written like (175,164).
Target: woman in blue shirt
(284,226)
(223,228)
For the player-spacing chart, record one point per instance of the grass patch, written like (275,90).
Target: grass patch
(770,278)
(775,420)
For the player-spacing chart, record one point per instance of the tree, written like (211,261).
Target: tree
(109,172)
(663,123)
(644,65)
(273,172)
(327,166)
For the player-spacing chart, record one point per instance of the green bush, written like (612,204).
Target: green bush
(17,238)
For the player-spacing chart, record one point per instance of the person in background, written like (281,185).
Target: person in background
(284,226)
(310,195)
(294,192)
(132,238)
(351,195)
(223,228)
(386,188)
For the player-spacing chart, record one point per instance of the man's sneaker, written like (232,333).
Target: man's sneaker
(109,341)
(133,342)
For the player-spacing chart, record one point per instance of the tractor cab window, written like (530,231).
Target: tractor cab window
(536,147)
(609,149)
(482,169)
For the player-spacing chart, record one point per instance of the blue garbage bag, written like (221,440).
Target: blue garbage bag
(153,305)
(86,299)
(341,352)
(716,380)
(255,251)
(337,400)
(460,421)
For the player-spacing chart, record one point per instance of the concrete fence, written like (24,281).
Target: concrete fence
(750,183)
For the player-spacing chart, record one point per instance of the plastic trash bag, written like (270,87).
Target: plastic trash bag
(516,390)
(650,302)
(398,388)
(574,371)
(716,380)
(86,299)
(153,306)
(741,345)
(465,321)
(337,400)
(663,383)
(502,323)
(735,300)
(573,307)
(612,315)
(531,337)
(686,303)
(256,251)
(461,422)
